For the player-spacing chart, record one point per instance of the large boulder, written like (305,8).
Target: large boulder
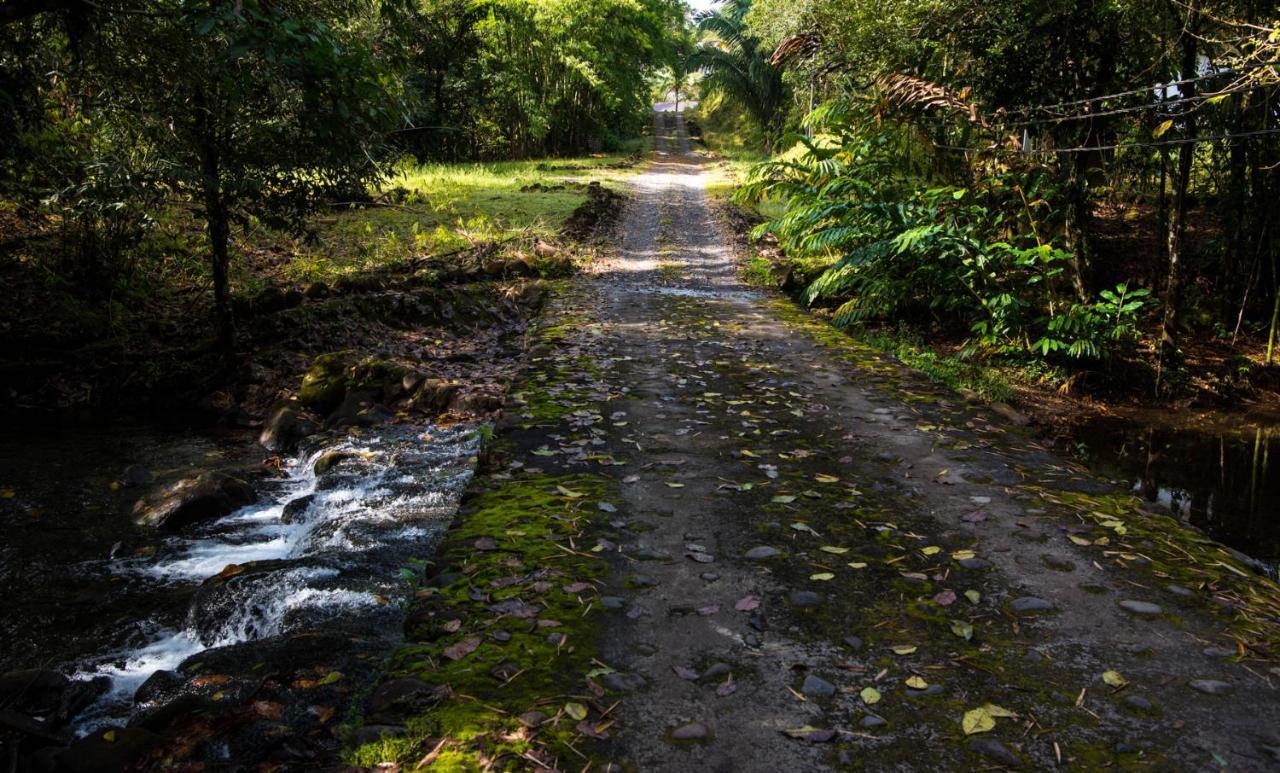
(286,426)
(334,378)
(205,497)
(434,394)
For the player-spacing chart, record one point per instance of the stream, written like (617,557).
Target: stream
(1211,471)
(87,593)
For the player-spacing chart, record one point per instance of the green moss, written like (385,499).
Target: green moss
(533,521)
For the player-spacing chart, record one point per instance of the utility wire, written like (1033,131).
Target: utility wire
(1161,106)
(1116,146)
(1143,90)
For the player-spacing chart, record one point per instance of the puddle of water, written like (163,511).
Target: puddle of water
(1218,477)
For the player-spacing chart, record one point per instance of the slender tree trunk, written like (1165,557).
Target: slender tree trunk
(1177,218)
(218,229)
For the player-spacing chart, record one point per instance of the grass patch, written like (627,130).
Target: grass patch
(949,370)
(435,209)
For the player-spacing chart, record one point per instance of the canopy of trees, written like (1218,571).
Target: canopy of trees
(114,111)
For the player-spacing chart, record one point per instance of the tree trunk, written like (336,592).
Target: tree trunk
(218,229)
(1177,218)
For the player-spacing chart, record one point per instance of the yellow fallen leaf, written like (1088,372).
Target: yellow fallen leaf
(833,549)
(977,720)
(931,550)
(1079,540)
(1114,679)
(962,555)
(826,478)
(917,683)
(857,565)
(576,710)
(904,649)
(822,576)
(869,695)
(569,492)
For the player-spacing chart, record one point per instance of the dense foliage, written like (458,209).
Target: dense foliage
(244,112)
(1016,171)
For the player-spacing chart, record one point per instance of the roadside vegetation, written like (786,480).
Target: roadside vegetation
(166,173)
(939,177)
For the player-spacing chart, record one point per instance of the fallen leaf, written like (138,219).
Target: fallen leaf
(857,565)
(973,596)
(821,478)
(1079,540)
(962,629)
(931,550)
(569,492)
(451,626)
(834,550)
(747,603)
(946,597)
(903,649)
(576,710)
(869,695)
(1114,679)
(963,555)
(332,676)
(685,673)
(977,720)
(727,687)
(461,649)
(808,733)
(917,683)
(822,576)
(784,499)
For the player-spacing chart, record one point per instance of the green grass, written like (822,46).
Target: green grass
(434,209)
(949,370)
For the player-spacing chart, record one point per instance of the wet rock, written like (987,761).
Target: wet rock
(1140,608)
(136,476)
(1219,652)
(994,750)
(330,459)
(1179,590)
(295,510)
(694,731)
(933,689)
(434,394)
(804,598)
(642,581)
(287,426)
(206,497)
(854,642)
(817,687)
(709,576)
(98,751)
(1029,605)
(650,554)
(476,401)
(1210,686)
(403,697)
(871,721)
(612,602)
(974,563)
(358,409)
(160,686)
(761,552)
(1139,703)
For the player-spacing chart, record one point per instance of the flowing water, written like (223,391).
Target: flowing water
(88,593)
(1212,472)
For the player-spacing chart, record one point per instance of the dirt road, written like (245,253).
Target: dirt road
(811,537)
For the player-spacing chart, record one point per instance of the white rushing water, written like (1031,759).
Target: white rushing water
(332,544)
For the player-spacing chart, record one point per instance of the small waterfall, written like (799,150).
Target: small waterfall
(319,551)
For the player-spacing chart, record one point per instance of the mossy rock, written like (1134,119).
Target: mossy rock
(325,384)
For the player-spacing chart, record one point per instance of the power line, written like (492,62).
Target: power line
(1163,104)
(1143,90)
(1116,146)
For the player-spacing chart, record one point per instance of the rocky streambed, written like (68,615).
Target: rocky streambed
(184,595)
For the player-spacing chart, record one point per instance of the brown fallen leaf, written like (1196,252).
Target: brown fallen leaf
(461,649)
